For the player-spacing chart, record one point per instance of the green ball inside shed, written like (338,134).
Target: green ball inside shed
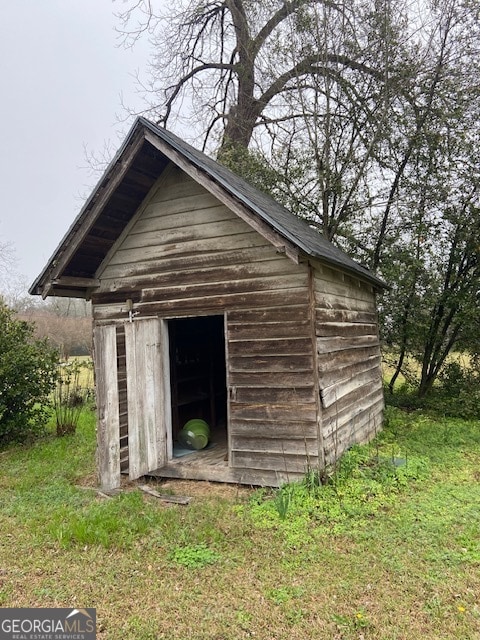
(195,434)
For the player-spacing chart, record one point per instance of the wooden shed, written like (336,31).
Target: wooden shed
(210,300)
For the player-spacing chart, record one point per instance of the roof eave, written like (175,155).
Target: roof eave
(44,279)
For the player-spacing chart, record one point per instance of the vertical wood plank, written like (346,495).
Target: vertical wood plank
(108,428)
(146,396)
(134,400)
(165,436)
(228,382)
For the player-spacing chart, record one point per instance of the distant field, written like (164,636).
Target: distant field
(85,370)
(388,370)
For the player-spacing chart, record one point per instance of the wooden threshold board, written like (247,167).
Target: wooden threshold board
(211,465)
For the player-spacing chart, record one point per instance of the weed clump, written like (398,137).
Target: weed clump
(194,556)
(366,481)
(72,391)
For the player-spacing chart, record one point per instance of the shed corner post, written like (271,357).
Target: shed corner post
(311,293)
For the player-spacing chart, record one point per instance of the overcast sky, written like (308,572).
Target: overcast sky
(62,74)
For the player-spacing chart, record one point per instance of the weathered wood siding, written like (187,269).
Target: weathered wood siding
(348,360)
(187,254)
(273,412)
(106,383)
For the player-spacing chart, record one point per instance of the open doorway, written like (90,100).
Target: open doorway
(198,378)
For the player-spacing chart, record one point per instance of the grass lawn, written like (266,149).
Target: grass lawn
(390,549)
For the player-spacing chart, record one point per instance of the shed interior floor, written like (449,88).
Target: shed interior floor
(215,454)
(212,465)
(208,464)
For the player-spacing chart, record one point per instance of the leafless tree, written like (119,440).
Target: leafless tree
(227,64)
(12,284)
(365,114)
(7,258)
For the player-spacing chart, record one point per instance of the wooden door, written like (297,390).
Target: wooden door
(147,395)
(106,384)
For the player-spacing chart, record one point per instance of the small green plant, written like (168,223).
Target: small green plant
(283,594)
(313,479)
(194,556)
(243,618)
(71,393)
(355,622)
(141,628)
(283,498)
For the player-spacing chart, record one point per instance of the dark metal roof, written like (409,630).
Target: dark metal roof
(147,165)
(293,228)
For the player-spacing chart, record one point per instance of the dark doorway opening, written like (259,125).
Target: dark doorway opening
(198,374)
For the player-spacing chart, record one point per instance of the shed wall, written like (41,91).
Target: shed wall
(185,254)
(349,360)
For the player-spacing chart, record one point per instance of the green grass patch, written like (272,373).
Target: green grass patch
(194,556)
(114,523)
(388,548)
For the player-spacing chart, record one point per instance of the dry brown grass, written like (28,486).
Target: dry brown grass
(411,571)
(341,593)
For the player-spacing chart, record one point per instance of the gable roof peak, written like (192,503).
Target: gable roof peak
(140,160)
